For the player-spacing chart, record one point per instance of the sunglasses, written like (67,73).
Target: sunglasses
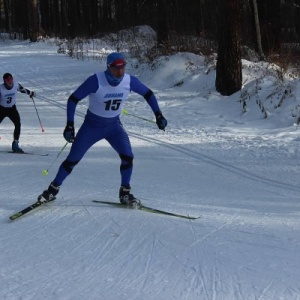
(8,79)
(118,67)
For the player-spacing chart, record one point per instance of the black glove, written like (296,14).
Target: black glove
(160,120)
(69,132)
(31,94)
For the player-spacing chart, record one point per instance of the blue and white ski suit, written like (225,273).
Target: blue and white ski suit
(106,100)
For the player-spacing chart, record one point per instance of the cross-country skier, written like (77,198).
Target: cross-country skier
(107,93)
(8,108)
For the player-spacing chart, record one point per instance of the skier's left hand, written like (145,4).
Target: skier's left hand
(160,120)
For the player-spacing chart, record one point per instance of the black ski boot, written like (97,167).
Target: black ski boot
(128,199)
(49,194)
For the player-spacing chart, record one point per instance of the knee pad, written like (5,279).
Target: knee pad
(127,161)
(69,165)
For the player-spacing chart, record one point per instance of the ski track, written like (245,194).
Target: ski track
(201,282)
(199,156)
(178,148)
(189,271)
(188,152)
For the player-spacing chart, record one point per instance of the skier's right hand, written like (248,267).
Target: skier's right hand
(69,132)
(32,94)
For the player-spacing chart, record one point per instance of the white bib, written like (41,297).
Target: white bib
(108,100)
(8,97)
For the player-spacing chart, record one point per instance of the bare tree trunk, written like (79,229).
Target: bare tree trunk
(33,17)
(257,28)
(162,23)
(64,18)
(229,65)
(8,15)
(270,24)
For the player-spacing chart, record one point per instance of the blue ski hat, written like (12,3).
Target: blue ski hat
(116,59)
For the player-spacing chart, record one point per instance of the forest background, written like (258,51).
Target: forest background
(230,28)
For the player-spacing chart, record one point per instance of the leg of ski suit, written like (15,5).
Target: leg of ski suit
(87,136)
(13,114)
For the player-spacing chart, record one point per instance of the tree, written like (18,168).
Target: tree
(162,23)
(270,27)
(33,20)
(229,65)
(8,12)
(257,30)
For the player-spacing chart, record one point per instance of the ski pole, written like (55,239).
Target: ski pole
(37,114)
(46,171)
(125,112)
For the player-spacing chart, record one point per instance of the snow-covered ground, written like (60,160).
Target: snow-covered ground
(237,170)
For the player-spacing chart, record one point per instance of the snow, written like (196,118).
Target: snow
(237,170)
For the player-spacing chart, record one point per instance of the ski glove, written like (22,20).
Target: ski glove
(69,132)
(160,120)
(32,94)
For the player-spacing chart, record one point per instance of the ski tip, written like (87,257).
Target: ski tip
(15,216)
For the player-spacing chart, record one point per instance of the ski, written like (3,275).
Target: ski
(28,153)
(148,209)
(142,207)
(27,210)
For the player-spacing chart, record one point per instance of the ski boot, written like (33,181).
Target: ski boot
(15,147)
(128,199)
(49,194)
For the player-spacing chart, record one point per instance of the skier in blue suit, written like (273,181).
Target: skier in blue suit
(107,93)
